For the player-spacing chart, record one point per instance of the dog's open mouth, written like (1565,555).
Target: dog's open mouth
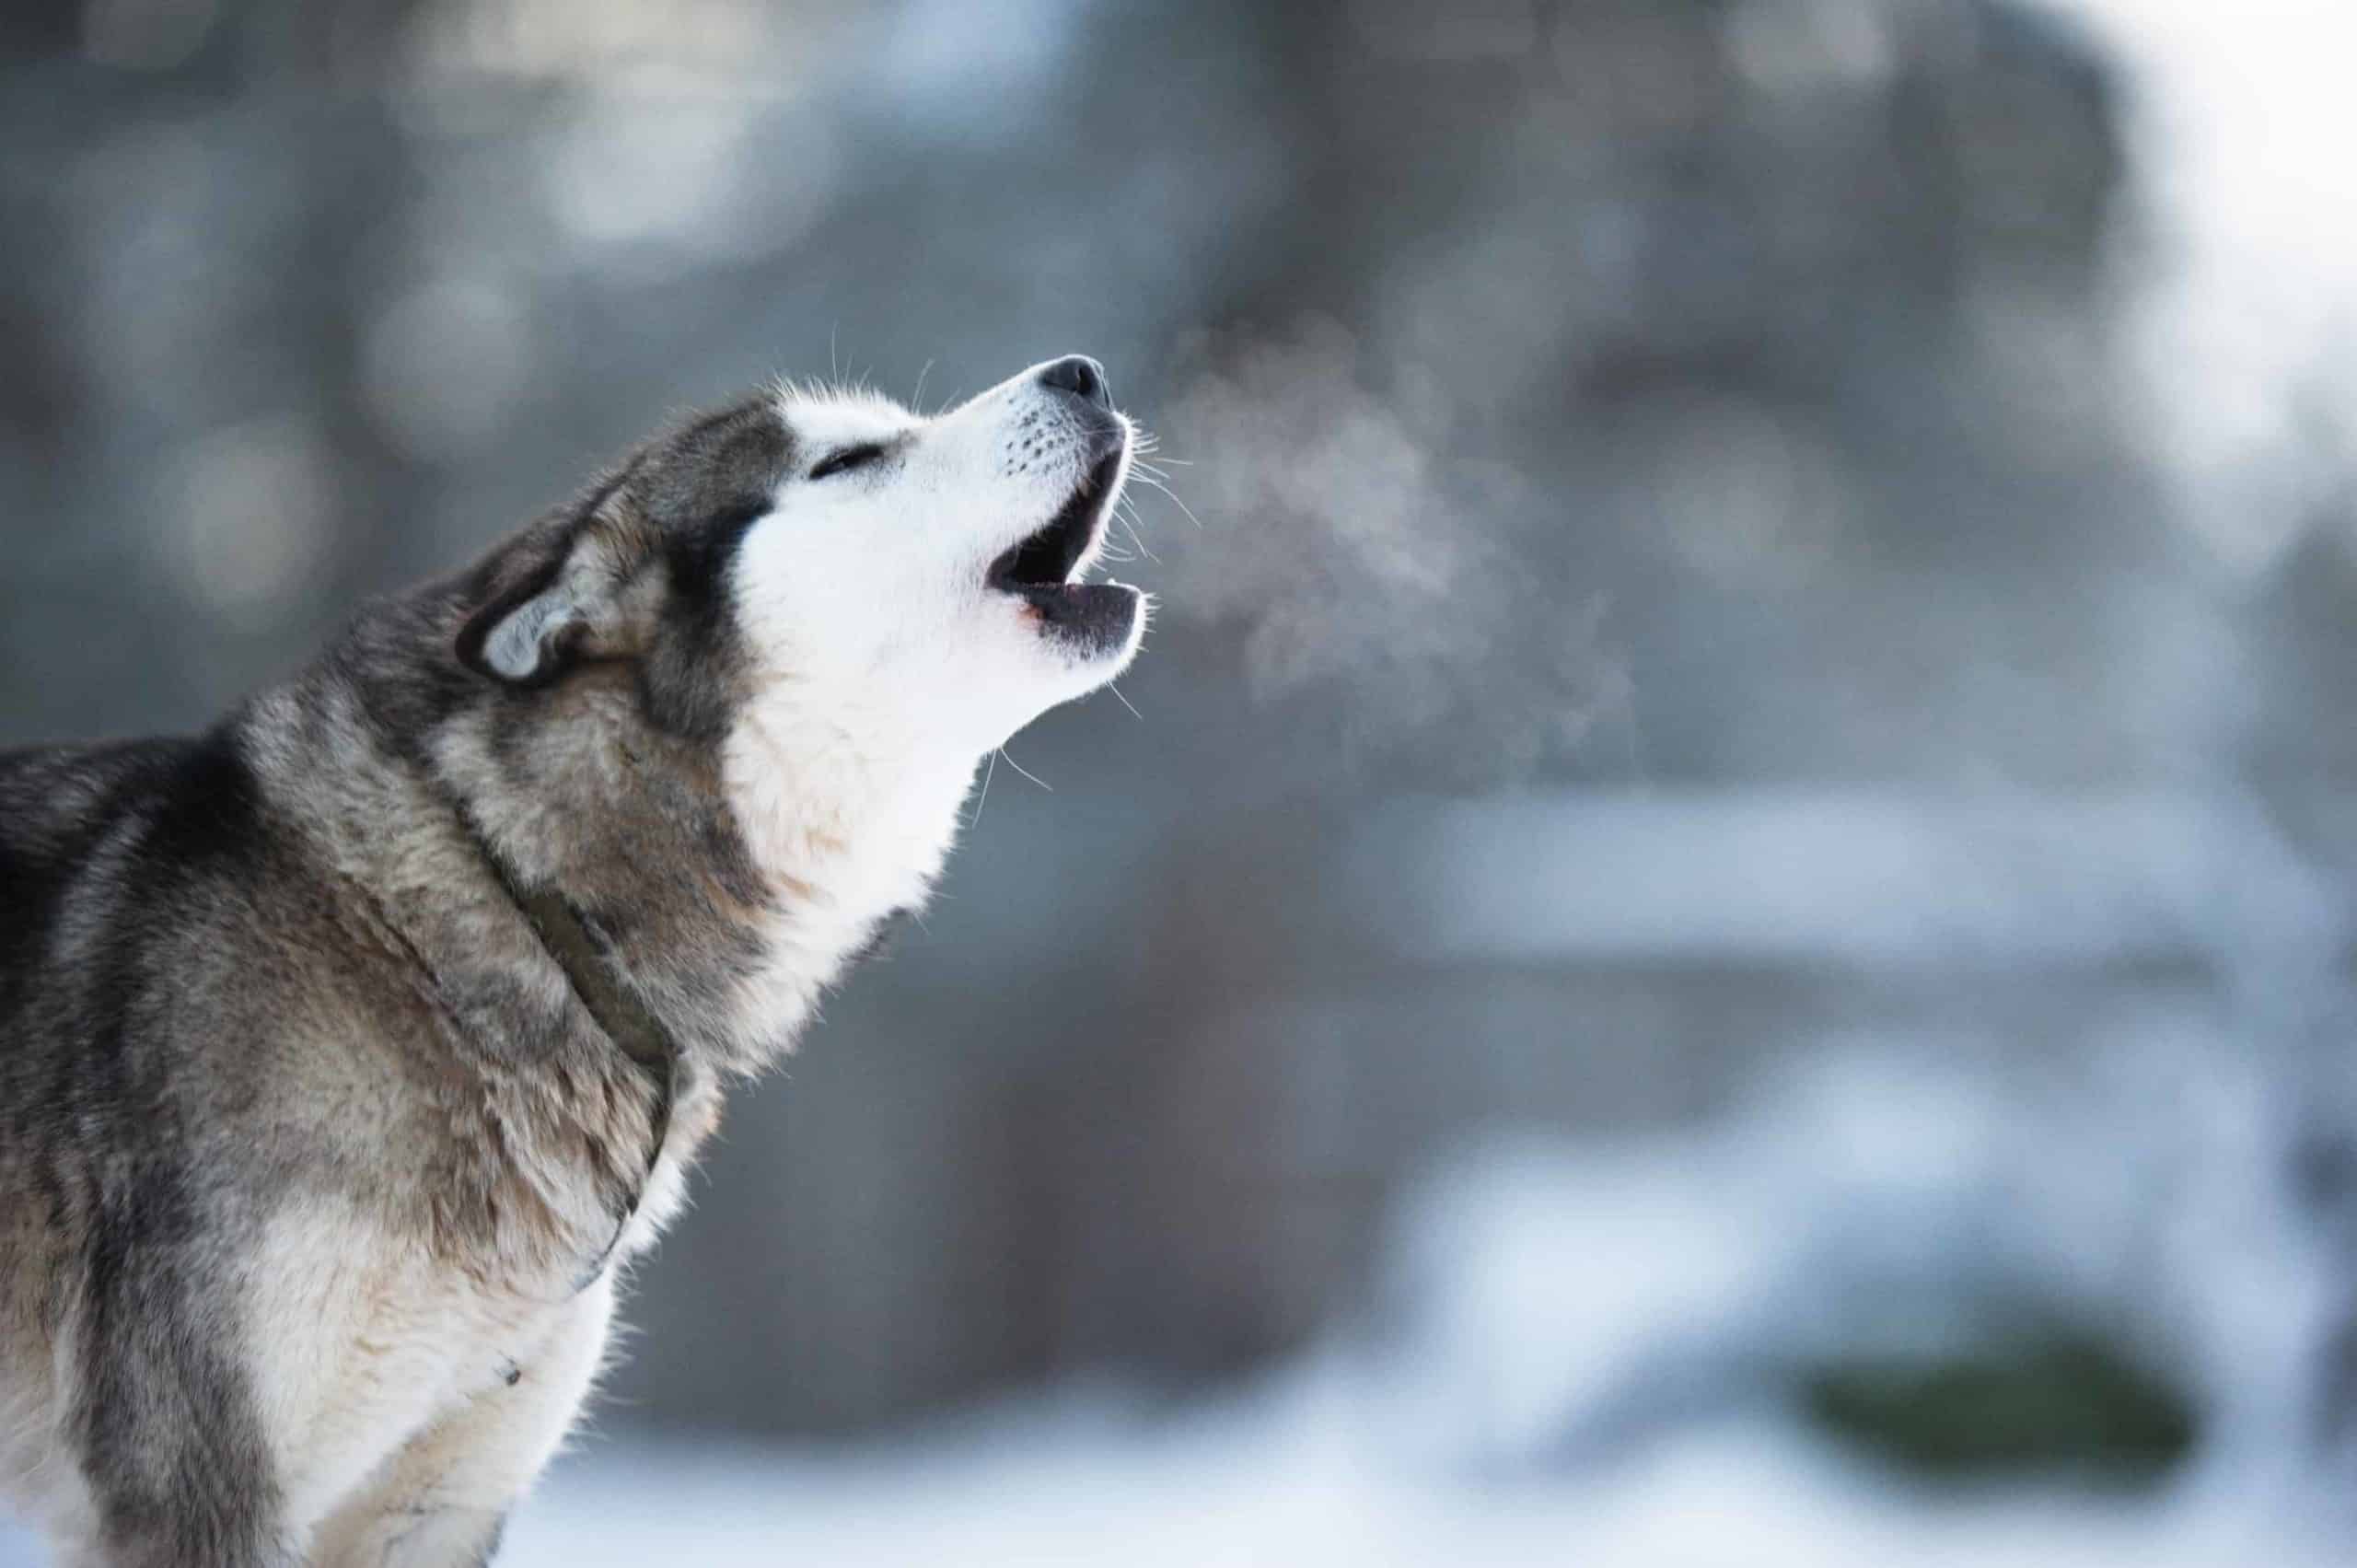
(1040,569)
(1047,559)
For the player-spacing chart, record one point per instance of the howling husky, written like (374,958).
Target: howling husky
(348,1048)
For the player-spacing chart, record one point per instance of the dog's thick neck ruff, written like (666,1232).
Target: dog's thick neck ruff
(634,1030)
(629,1026)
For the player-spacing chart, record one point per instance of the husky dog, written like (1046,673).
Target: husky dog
(348,1048)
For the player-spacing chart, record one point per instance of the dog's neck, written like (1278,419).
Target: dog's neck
(734,893)
(732,883)
(849,822)
(849,825)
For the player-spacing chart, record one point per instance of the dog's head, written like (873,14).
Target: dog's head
(891,578)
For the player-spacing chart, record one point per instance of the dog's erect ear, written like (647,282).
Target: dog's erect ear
(527,636)
(568,608)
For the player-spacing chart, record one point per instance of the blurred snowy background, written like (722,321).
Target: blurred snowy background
(1723,934)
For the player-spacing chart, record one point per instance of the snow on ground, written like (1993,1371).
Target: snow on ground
(1274,1483)
(1571,1362)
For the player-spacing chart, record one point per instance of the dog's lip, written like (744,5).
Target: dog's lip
(1094,620)
(1048,556)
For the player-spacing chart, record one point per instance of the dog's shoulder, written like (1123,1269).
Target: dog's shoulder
(122,830)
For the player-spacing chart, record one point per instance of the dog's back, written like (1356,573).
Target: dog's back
(119,861)
(121,865)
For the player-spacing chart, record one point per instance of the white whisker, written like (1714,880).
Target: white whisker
(1026,771)
(1128,515)
(1189,511)
(983,799)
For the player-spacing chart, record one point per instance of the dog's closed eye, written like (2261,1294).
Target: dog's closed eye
(844,459)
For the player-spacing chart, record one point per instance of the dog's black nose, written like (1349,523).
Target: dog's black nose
(1082,376)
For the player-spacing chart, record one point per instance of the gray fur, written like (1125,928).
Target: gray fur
(267,975)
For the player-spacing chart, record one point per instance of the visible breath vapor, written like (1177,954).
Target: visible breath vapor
(1370,571)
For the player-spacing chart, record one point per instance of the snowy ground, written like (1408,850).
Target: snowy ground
(1255,1485)
(1573,1356)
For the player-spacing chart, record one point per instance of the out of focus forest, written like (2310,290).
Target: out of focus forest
(1724,894)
